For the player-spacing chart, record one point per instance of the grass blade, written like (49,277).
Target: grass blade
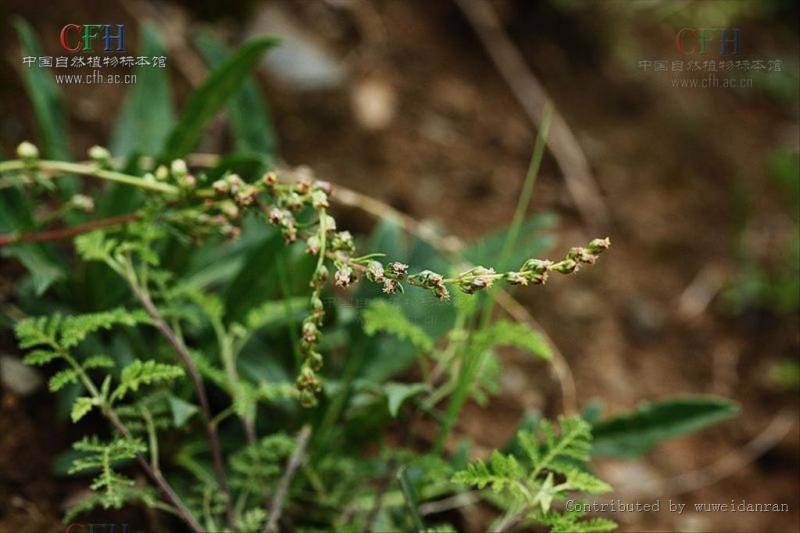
(209,98)
(251,123)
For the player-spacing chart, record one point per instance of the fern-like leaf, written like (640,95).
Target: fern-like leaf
(382,316)
(61,379)
(519,335)
(141,373)
(111,488)
(556,458)
(80,408)
(74,329)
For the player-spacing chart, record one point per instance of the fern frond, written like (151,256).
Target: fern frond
(96,246)
(572,522)
(98,361)
(382,316)
(501,472)
(40,357)
(141,373)
(552,455)
(516,334)
(75,328)
(80,407)
(61,379)
(572,444)
(36,331)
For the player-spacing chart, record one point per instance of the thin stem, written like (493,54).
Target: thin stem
(473,360)
(197,381)
(64,233)
(279,499)
(156,476)
(152,437)
(87,169)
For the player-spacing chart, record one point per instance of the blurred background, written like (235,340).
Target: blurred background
(431,106)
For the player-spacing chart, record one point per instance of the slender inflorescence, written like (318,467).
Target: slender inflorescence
(299,210)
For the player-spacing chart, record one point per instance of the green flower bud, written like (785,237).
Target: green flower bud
(99,154)
(27,151)
(178,168)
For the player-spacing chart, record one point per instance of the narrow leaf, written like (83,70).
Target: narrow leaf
(247,112)
(209,98)
(632,434)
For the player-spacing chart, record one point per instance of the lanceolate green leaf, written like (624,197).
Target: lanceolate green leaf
(147,113)
(209,98)
(632,434)
(250,120)
(51,118)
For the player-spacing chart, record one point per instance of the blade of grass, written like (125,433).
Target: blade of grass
(209,98)
(473,360)
(250,120)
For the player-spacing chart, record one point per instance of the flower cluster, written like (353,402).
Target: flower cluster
(299,210)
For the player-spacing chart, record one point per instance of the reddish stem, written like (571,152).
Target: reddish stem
(63,233)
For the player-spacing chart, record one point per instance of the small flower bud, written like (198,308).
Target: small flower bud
(303,186)
(178,168)
(307,399)
(229,209)
(319,199)
(99,154)
(391,286)
(221,187)
(310,332)
(397,269)
(344,276)
(188,181)
(27,150)
(476,279)
(293,201)
(598,246)
(324,186)
(567,266)
(246,195)
(343,241)
(82,202)
(289,234)
(308,380)
(235,183)
(277,216)
(312,245)
(270,179)
(162,173)
(317,306)
(375,272)
(433,281)
(330,223)
(516,278)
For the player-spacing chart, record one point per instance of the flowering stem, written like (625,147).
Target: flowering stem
(87,169)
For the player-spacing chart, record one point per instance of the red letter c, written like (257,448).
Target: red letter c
(680,41)
(63,38)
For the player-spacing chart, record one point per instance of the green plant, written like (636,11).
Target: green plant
(192,328)
(551,468)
